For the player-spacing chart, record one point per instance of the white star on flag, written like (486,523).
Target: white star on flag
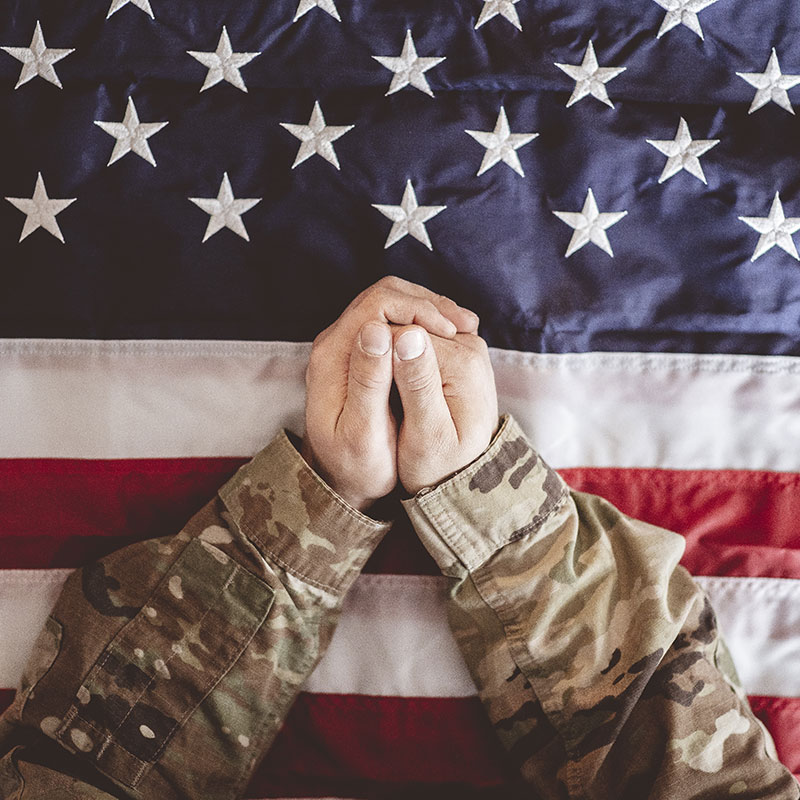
(771,85)
(409,68)
(40,210)
(144,5)
(316,137)
(223,64)
(38,59)
(775,229)
(590,78)
(131,135)
(505,8)
(589,225)
(326,5)
(683,152)
(225,210)
(409,218)
(682,12)
(501,144)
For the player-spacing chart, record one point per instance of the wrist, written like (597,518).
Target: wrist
(354,499)
(417,479)
(413,488)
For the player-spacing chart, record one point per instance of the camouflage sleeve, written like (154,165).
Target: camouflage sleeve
(596,655)
(166,669)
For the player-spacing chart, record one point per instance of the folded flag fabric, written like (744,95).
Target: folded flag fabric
(189,193)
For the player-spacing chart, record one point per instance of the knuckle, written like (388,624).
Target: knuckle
(366,379)
(481,346)
(374,299)
(477,353)
(420,382)
(429,306)
(390,281)
(467,372)
(384,287)
(472,341)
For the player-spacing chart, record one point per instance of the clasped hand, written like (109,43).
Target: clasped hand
(426,344)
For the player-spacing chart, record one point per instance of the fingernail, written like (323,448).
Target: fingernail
(375,339)
(410,345)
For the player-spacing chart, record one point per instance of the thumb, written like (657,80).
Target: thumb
(370,374)
(419,382)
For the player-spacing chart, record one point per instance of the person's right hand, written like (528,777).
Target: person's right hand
(449,404)
(351,433)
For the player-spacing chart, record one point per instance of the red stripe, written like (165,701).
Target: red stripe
(358,746)
(57,513)
(781,715)
(335,744)
(737,523)
(63,512)
(66,512)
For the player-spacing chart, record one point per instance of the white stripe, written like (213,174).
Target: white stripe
(75,399)
(139,399)
(393,638)
(760,621)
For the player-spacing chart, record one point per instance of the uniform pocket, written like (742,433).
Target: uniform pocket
(164,662)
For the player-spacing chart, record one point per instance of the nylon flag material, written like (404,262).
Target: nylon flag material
(190,192)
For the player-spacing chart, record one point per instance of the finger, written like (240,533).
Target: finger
(405,309)
(326,384)
(419,383)
(369,378)
(466,321)
(333,349)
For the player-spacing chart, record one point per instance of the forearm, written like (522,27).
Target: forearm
(167,668)
(596,655)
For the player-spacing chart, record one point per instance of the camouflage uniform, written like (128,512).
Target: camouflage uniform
(166,669)
(596,655)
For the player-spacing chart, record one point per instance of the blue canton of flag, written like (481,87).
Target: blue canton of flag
(606,175)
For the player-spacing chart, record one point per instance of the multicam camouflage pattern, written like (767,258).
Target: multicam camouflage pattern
(596,655)
(168,667)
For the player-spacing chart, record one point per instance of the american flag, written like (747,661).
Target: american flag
(192,191)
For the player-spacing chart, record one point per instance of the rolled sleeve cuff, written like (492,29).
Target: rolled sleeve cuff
(504,495)
(297,521)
